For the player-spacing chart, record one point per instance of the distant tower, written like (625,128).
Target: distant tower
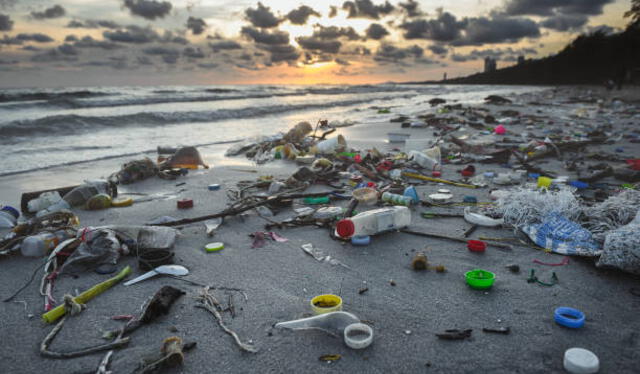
(489,64)
(520,60)
(444,77)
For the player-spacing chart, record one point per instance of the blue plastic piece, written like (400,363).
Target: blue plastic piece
(489,174)
(341,196)
(620,150)
(470,199)
(361,240)
(412,193)
(569,317)
(361,184)
(579,185)
(534,176)
(214,187)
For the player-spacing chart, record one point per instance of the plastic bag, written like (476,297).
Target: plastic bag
(560,235)
(622,248)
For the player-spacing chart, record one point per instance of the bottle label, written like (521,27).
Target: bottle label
(385,221)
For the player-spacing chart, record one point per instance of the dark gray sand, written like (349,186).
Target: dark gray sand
(280,279)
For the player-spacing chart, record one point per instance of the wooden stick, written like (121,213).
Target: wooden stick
(438,180)
(452,238)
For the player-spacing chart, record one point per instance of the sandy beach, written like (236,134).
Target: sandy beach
(279,279)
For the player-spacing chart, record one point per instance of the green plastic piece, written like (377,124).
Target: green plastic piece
(480,279)
(316,200)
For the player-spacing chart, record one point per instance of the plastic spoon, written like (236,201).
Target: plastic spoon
(164,269)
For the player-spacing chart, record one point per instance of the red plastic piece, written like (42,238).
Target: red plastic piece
(185,204)
(476,245)
(357,159)
(468,171)
(436,174)
(634,164)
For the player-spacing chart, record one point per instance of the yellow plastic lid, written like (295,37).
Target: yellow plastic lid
(122,202)
(214,247)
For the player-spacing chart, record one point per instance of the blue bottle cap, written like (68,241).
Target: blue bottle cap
(213,187)
(11,210)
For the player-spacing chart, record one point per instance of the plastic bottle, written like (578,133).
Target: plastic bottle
(374,222)
(57,207)
(396,199)
(43,201)
(81,194)
(40,245)
(424,160)
(8,217)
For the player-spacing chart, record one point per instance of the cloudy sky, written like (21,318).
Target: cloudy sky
(165,42)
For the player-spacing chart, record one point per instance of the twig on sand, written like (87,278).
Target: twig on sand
(211,304)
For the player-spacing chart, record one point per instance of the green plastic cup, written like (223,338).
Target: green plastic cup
(480,279)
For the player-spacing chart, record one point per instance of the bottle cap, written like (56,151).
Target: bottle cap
(214,187)
(581,361)
(11,210)
(345,228)
(358,335)
(476,245)
(214,247)
(185,203)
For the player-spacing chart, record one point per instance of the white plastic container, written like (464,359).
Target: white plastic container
(45,200)
(8,217)
(40,245)
(374,222)
(330,145)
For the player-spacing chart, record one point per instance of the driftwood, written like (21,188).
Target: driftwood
(452,238)
(235,210)
(44,346)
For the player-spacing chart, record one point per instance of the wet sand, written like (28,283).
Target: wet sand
(280,279)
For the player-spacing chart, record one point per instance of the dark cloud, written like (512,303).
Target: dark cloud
(170,37)
(342,62)
(366,9)
(68,49)
(262,17)
(168,55)
(281,52)
(56,55)
(391,53)
(193,52)
(55,11)
(564,23)
(313,43)
(504,54)
(93,24)
(300,15)
(555,7)
(132,34)
(71,38)
(224,45)
(335,32)
(6,24)
(266,37)
(444,28)
(144,60)
(207,65)
(89,42)
(149,9)
(438,49)
(376,31)
(30,48)
(21,38)
(496,28)
(411,8)
(196,25)
(333,11)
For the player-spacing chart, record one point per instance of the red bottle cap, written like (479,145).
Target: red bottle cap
(185,203)
(436,174)
(345,228)
(476,245)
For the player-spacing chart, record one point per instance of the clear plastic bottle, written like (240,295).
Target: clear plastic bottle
(8,217)
(41,244)
(44,201)
(374,222)
(81,194)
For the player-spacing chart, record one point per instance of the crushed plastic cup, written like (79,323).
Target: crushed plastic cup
(331,145)
(366,195)
(337,324)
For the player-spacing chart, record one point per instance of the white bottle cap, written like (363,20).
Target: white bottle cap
(581,361)
(358,335)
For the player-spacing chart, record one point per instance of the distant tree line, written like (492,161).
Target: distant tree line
(593,58)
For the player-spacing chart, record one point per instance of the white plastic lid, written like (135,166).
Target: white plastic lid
(358,335)
(581,361)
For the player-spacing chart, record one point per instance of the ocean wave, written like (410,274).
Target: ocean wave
(33,96)
(72,123)
(73,148)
